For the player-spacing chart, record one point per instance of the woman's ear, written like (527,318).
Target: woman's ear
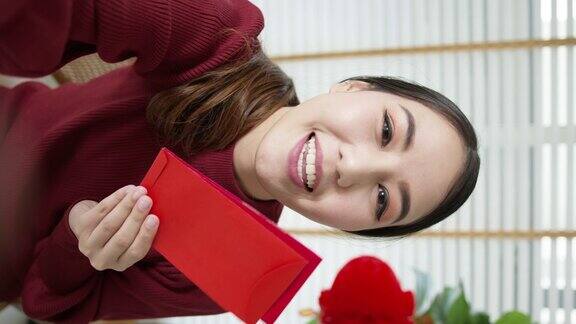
(350,86)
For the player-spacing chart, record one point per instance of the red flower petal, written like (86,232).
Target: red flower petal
(366,289)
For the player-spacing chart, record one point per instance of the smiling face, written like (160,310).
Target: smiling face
(359,162)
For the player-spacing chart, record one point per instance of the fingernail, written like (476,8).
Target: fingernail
(144,203)
(151,222)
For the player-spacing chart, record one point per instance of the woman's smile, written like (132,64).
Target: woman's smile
(304,166)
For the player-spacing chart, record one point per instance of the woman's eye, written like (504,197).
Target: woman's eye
(382,202)
(386,130)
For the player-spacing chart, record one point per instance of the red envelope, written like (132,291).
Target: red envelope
(237,256)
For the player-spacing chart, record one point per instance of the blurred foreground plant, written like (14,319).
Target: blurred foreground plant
(367,291)
(450,306)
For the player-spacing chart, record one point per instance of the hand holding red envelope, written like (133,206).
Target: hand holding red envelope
(237,256)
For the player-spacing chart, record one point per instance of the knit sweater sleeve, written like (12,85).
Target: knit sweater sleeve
(63,287)
(173,40)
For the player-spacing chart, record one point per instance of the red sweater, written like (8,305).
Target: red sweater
(84,141)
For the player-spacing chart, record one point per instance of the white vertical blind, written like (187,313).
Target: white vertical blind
(521,102)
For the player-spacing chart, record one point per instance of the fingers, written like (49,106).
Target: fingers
(110,224)
(102,209)
(125,236)
(141,244)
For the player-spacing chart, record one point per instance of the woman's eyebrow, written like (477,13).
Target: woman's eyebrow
(405,194)
(409,138)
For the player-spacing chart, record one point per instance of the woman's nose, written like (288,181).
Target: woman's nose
(361,165)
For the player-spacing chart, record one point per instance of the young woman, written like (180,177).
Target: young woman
(382,157)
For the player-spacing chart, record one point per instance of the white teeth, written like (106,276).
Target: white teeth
(310,169)
(311,174)
(310,162)
(310,157)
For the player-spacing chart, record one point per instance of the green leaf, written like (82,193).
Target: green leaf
(459,312)
(514,318)
(422,290)
(314,321)
(480,318)
(441,305)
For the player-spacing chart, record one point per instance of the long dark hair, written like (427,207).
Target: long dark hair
(466,181)
(215,109)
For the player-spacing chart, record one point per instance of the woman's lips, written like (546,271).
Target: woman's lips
(293,162)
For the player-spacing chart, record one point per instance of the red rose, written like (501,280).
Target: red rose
(366,291)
